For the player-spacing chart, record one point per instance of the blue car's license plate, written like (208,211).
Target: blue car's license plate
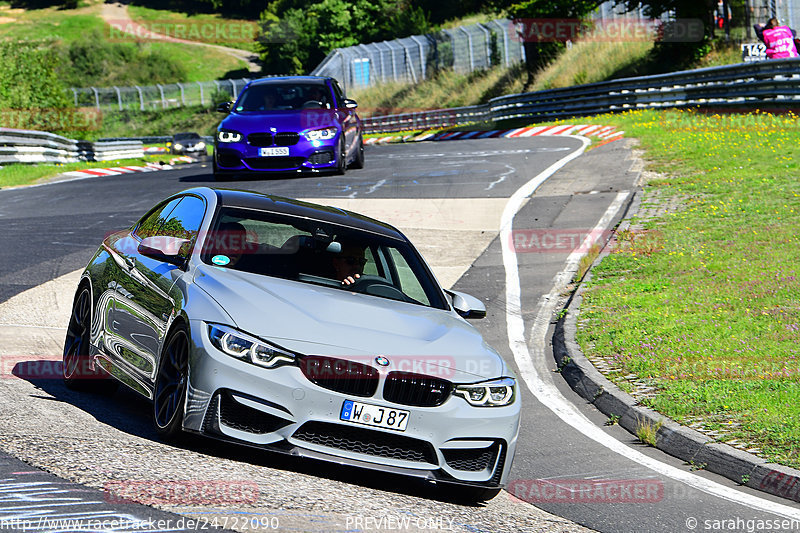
(273,151)
(374,415)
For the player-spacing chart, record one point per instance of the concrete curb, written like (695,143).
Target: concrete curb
(698,450)
(606,133)
(115,171)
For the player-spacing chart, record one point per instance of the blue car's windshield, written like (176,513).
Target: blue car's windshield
(284,97)
(321,253)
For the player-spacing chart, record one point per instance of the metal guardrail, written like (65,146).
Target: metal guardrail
(770,83)
(30,146)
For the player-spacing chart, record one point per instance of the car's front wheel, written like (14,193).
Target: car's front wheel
(358,162)
(341,158)
(170,390)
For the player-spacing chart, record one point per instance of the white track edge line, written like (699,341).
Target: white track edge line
(547,393)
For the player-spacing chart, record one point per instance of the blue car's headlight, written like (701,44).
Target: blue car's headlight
(324,134)
(229,136)
(493,393)
(248,348)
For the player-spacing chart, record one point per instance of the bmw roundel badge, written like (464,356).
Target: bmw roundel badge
(381,360)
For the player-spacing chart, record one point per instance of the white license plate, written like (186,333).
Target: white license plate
(269,152)
(374,415)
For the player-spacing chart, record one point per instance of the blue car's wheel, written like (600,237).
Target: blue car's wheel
(171,380)
(358,162)
(341,158)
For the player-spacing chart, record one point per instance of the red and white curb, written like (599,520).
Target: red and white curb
(606,133)
(116,171)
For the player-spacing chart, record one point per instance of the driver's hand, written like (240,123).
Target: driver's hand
(349,280)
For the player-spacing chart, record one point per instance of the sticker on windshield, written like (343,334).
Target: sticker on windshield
(221,260)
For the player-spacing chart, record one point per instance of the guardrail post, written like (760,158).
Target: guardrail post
(96,98)
(202,99)
(422,58)
(469,44)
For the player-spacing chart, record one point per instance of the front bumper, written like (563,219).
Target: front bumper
(280,409)
(305,155)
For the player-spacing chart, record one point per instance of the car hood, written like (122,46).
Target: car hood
(317,320)
(296,121)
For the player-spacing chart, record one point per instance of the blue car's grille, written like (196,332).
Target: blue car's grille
(416,389)
(340,375)
(283,138)
(274,163)
(286,138)
(260,139)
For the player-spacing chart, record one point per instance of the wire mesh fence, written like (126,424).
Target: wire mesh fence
(413,59)
(151,97)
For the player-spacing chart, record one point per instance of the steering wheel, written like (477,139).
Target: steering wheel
(313,104)
(377,286)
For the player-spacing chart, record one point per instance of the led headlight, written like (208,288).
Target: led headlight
(493,393)
(200,145)
(324,134)
(229,136)
(178,146)
(248,348)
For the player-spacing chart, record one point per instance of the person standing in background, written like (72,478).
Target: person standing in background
(778,39)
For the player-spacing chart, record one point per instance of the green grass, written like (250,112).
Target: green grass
(16,175)
(208,28)
(702,302)
(200,63)
(162,122)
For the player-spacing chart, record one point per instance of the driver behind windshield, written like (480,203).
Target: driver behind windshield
(348,264)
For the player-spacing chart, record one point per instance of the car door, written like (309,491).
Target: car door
(347,117)
(146,298)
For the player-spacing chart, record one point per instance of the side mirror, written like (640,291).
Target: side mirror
(224,107)
(467,306)
(164,248)
(350,104)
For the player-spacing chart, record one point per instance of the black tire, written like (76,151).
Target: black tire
(169,395)
(358,162)
(79,372)
(341,158)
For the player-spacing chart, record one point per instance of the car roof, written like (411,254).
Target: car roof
(292,207)
(283,79)
(187,134)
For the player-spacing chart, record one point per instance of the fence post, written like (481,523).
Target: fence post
(422,58)
(202,100)
(504,31)
(233,88)
(141,98)
(163,101)
(469,44)
(96,98)
(119,97)
(410,66)
(183,98)
(488,36)
(75,95)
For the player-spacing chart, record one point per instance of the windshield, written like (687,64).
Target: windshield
(283,97)
(186,136)
(320,253)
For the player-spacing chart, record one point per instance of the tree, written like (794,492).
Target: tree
(297,34)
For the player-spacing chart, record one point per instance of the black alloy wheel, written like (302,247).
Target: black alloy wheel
(341,166)
(171,381)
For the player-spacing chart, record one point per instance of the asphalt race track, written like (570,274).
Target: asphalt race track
(450,198)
